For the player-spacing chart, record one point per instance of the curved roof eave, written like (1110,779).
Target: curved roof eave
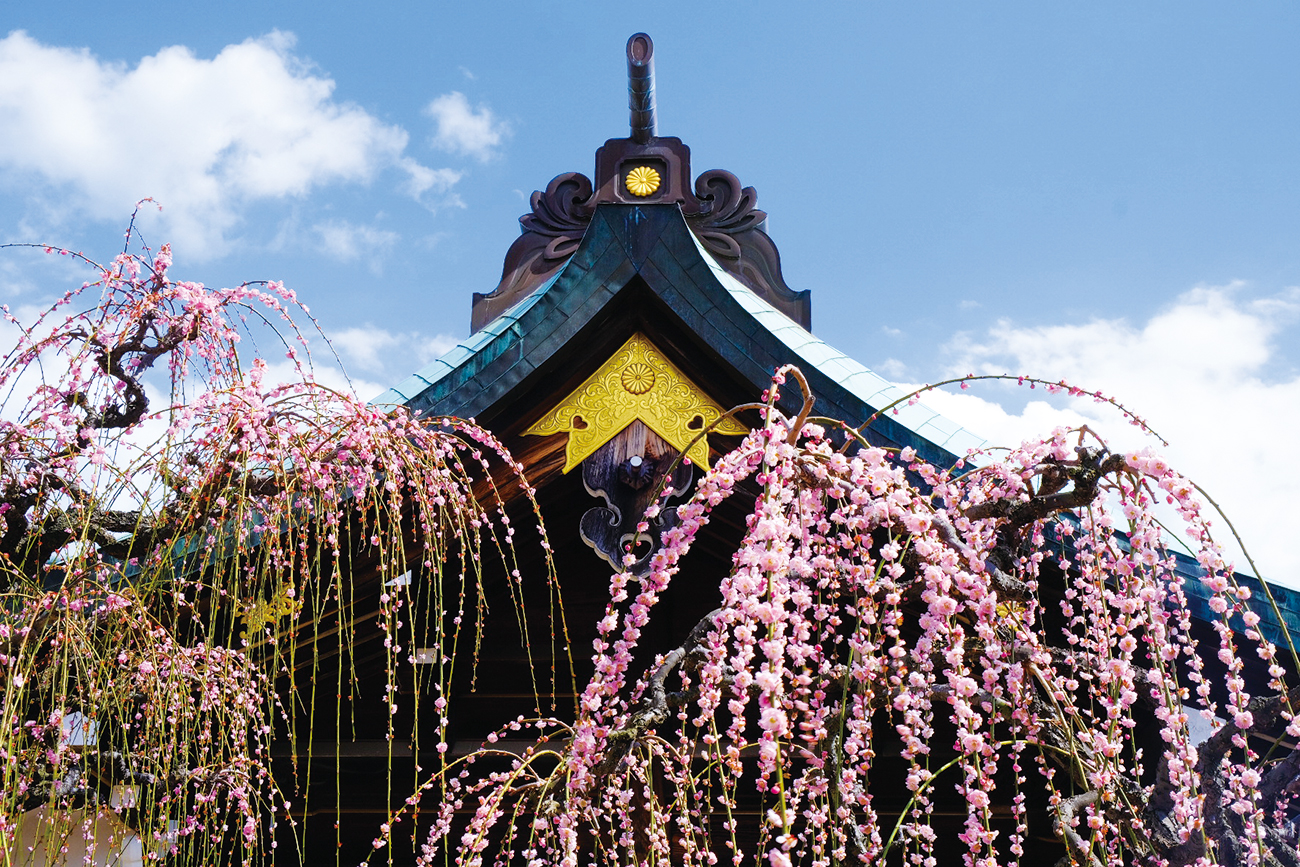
(868,386)
(593,271)
(475,348)
(491,363)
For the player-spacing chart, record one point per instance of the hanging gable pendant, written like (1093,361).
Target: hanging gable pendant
(637,382)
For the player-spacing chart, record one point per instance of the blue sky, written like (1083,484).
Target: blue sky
(1104,191)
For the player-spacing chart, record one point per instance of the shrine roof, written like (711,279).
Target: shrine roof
(599,259)
(493,361)
(500,364)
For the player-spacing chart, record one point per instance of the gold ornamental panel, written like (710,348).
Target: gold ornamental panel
(637,382)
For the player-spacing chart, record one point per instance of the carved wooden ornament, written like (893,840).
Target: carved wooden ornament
(722,214)
(637,382)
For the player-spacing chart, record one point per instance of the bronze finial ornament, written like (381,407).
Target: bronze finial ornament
(644,169)
(641,87)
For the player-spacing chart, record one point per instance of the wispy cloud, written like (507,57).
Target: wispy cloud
(893,368)
(347,242)
(431,187)
(463,129)
(206,137)
(394,354)
(29,274)
(374,359)
(1206,373)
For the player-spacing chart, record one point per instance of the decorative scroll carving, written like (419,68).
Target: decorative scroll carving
(626,472)
(726,210)
(722,214)
(636,383)
(561,213)
(651,169)
(551,232)
(731,227)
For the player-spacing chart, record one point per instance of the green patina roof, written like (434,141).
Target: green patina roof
(741,326)
(496,366)
(874,390)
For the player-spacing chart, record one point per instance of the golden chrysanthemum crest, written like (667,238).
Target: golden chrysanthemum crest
(638,378)
(642,181)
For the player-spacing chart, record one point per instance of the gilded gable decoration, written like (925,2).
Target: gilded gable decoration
(637,382)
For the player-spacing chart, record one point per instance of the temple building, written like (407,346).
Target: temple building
(636,307)
(639,317)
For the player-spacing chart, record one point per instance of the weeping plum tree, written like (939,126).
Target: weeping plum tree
(173,524)
(882,605)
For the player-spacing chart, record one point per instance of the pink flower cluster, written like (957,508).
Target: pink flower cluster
(866,612)
(200,524)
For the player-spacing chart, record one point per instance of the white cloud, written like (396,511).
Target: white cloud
(377,350)
(28,273)
(892,368)
(326,374)
(348,242)
(464,130)
(365,346)
(423,179)
(1202,372)
(205,137)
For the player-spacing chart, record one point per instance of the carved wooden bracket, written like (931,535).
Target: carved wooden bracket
(626,472)
(627,424)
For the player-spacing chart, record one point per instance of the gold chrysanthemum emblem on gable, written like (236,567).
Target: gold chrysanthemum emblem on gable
(638,378)
(642,181)
(636,383)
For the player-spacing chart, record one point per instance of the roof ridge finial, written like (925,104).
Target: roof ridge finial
(654,171)
(641,87)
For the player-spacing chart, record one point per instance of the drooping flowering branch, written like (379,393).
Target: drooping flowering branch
(176,533)
(1016,633)
(1013,637)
